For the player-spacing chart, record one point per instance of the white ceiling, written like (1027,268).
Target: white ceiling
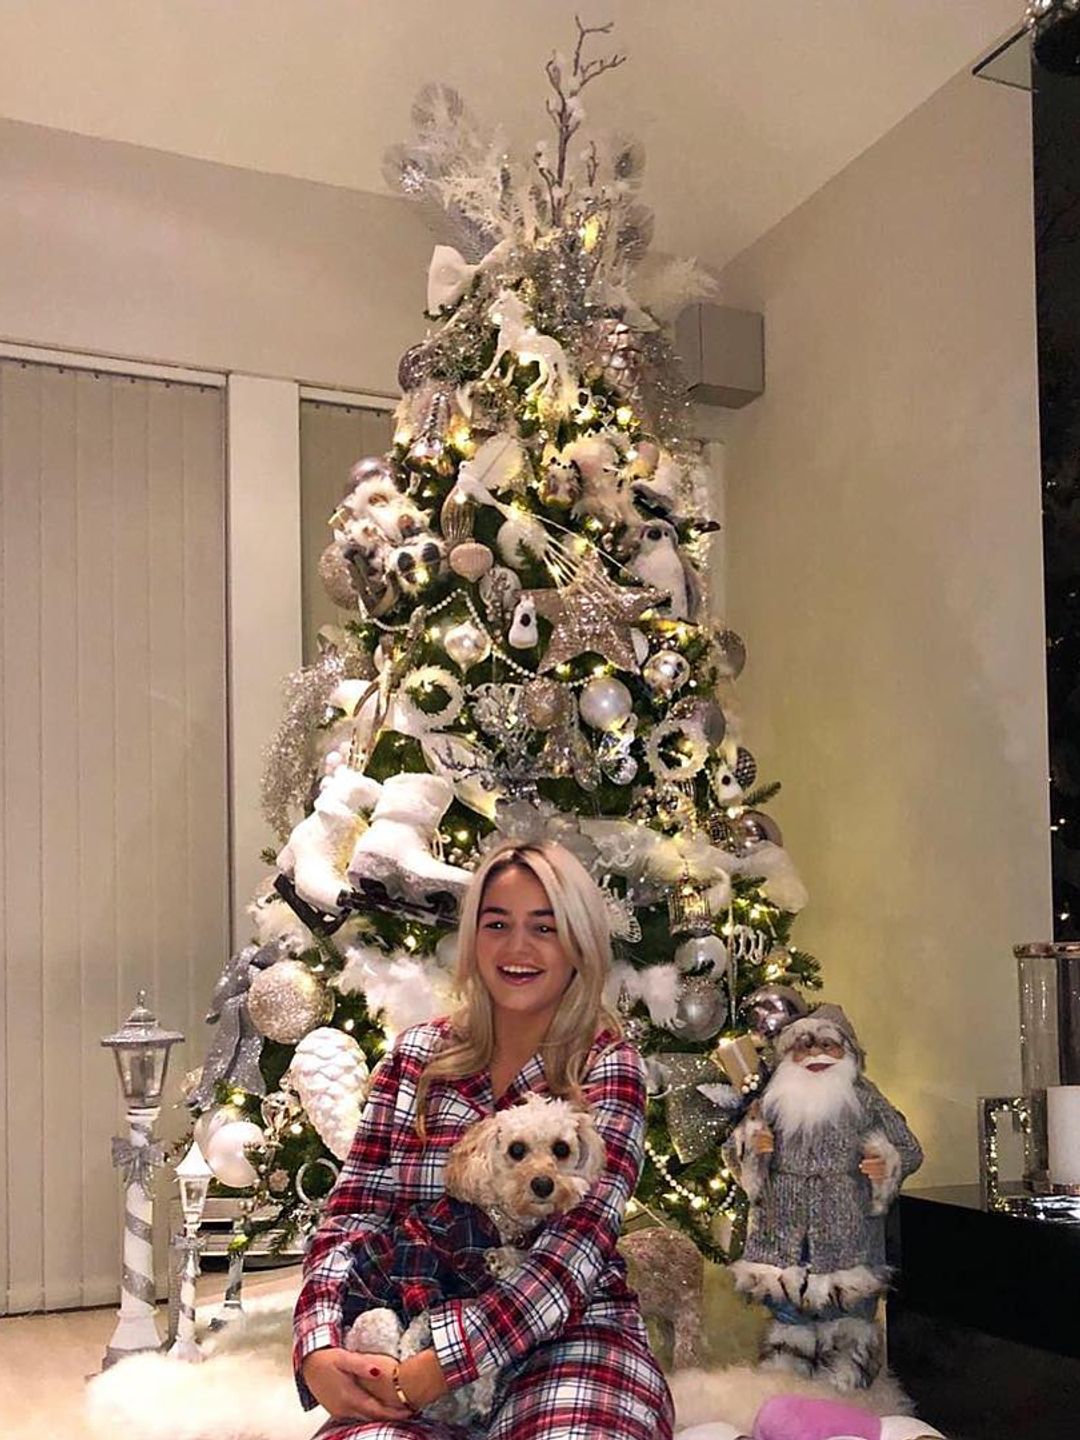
(745,108)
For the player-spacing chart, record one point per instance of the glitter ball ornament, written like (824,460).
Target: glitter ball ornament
(700,1009)
(330,1073)
(542,701)
(605,703)
(414,367)
(467,644)
(336,574)
(287,1000)
(730,652)
(666,673)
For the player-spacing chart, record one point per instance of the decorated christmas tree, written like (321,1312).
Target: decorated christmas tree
(528,655)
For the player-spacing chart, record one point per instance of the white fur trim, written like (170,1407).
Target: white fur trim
(883,1192)
(753,1169)
(800,1287)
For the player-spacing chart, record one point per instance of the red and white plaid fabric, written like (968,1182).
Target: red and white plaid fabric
(564,1330)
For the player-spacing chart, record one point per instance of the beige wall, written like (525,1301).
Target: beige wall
(885,567)
(116,249)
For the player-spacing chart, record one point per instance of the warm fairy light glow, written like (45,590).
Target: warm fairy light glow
(624,415)
(349,1025)
(590,233)
(237,1097)
(296,1128)
(402,436)
(409,942)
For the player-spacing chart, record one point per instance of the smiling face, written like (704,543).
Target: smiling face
(519,956)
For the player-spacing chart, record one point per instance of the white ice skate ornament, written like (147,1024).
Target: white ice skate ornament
(315,853)
(329,1074)
(395,850)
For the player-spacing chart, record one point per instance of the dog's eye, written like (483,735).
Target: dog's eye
(517,1150)
(561,1150)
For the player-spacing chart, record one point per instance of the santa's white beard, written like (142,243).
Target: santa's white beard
(800,1099)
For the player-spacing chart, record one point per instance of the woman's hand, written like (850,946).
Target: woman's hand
(421,1378)
(352,1386)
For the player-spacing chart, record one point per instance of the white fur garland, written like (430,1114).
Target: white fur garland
(401,988)
(657,985)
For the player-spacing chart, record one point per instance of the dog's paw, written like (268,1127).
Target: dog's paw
(502,1260)
(416,1338)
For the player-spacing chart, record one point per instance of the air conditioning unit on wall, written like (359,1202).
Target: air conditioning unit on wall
(723,354)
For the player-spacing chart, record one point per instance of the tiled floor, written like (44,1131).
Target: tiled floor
(46,1359)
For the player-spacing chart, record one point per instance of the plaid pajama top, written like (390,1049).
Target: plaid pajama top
(572,1270)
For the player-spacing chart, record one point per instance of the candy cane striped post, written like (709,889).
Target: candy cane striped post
(185,1346)
(137,1157)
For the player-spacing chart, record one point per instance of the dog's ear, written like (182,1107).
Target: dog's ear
(469,1173)
(592,1152)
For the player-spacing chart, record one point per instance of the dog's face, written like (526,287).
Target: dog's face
(535,1159)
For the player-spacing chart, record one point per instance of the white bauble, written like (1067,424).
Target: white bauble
(329,1073)
(605,703)
(225,1153)
(701,951)
(210,1121)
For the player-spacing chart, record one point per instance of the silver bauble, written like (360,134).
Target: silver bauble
(666,673)
(605,703)
(287,1001)
(414,367)
(701,952)
(700,1010)
(770,1008)
(730,654)
(467,644)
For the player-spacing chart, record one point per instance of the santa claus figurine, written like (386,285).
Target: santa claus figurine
(821,1156)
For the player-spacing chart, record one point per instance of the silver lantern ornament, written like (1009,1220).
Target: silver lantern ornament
(772,1007)
(700,1009)
(141,1051)
(666,673)
(605,703)
(194,1176)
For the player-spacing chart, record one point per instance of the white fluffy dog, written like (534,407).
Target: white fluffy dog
(519,1166)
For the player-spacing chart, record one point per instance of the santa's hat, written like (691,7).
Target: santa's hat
(824,1023)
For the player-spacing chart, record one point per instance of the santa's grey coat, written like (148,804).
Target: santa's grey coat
(810,1207)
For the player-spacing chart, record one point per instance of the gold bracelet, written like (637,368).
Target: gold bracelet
(395,1380)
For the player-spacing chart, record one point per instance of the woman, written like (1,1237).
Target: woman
(563,1331)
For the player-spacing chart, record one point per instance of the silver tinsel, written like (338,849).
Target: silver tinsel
(288,768)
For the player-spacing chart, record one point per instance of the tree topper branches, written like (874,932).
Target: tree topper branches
(566,110)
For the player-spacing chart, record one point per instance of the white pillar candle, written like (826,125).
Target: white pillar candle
(1063,1133)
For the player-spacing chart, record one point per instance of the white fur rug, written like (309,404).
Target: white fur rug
(244,1390)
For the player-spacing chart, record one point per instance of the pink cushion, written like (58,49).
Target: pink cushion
(794,1417)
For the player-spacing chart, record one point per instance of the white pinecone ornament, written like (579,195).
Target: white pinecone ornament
(329,1074)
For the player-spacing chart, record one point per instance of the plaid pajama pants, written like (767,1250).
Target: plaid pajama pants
(585,1384)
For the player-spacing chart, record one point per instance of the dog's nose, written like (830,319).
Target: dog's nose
(542,1185)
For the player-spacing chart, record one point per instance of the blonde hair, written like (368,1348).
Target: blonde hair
(582,927)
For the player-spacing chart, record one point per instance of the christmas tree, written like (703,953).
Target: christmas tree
(529,656)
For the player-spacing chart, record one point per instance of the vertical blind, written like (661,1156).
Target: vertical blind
(114,831)
(332,439)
